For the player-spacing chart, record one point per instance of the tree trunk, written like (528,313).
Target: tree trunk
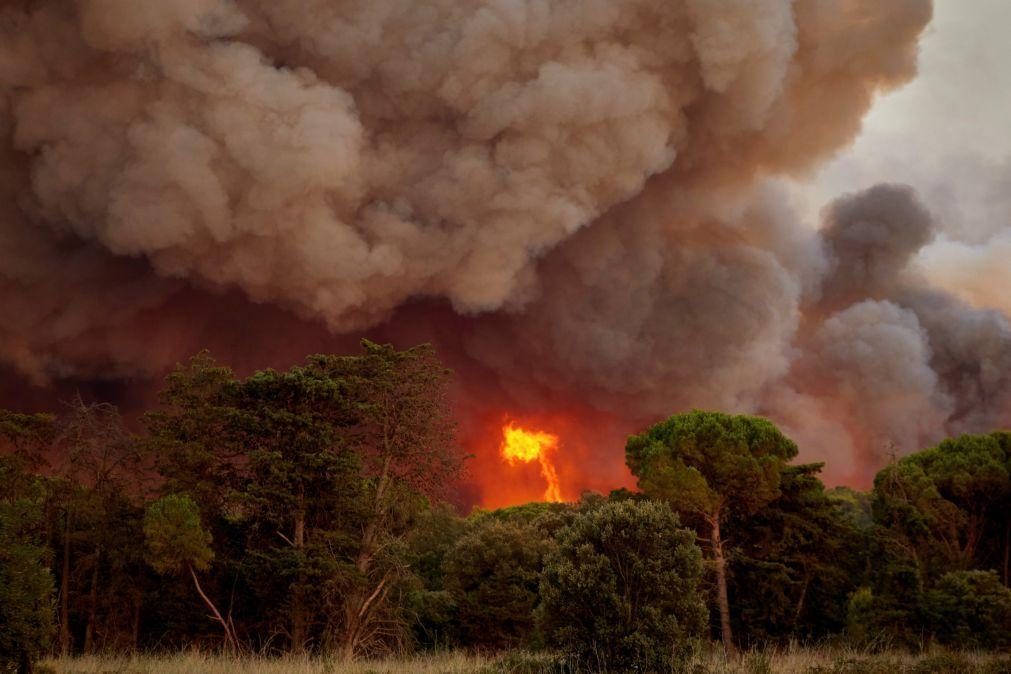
(800,601)
(357,605)
(65,589)
(359,619)
(135,631)
(230,639)
(89,628)
(722,599)
(25,664)
(920,573)
(972,538)
(298,618)
(1007,549)
(352,624)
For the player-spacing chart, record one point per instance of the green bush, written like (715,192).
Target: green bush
(492,576)
(620,591)
(965,610)
(970,610)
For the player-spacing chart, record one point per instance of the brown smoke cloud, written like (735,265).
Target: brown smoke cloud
(574,199)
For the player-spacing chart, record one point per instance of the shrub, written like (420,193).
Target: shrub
(970,610)
(620,591)
(492,575)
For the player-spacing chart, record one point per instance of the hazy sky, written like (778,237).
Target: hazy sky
(953,119)
(948,134)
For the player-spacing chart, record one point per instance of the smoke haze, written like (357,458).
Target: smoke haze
(578,201)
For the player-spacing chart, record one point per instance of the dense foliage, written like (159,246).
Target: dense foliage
(492,575)
(941,536)
(711,467)
(304,511)
(26,585)
(620,590)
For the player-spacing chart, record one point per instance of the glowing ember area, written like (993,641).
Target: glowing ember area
(522,446)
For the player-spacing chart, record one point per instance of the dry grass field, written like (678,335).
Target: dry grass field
(198,663)
(795,661)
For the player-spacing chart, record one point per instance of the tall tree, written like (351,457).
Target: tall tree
(405,437)
(101,479)
(26,585)
(197,440)
(711,466)
(797,560)
(304,489)
(940,521)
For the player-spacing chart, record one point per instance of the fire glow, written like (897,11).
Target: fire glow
(520,445)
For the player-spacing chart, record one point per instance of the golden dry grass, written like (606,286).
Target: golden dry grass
(789,661)
(200,663)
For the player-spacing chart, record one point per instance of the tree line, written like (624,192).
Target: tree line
(303,512)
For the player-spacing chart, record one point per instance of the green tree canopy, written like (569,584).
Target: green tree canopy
(303,493)
(709,466)
(699,462)
(26,436)
(196,435)
(176,540)
(947,506)
(795,562)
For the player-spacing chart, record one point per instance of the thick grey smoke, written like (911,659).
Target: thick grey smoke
(870,238)
(574,198)
(895,362)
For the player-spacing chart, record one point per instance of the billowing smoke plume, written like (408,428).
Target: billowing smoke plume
(575,199)
(896,363)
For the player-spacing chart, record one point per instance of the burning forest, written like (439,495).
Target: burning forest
(597,213)
(579,203)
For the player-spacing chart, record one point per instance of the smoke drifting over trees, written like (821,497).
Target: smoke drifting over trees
(575,200)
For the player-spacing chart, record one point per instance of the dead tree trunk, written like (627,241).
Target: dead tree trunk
(230,638)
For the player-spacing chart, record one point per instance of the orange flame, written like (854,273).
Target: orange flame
(522,446)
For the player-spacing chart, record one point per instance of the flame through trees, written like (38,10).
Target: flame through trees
(520,445)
